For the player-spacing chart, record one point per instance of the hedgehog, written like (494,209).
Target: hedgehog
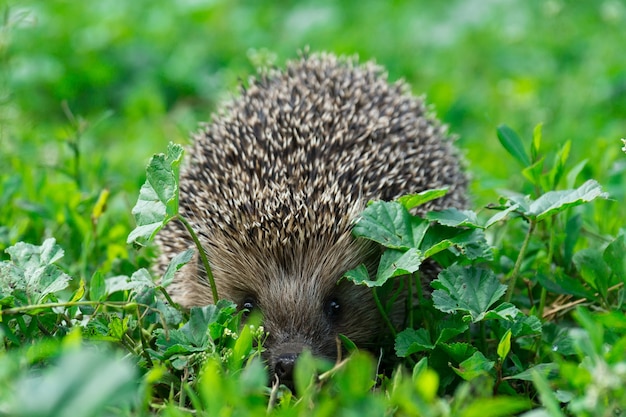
(274,183)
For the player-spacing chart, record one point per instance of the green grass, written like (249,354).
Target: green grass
(89,91)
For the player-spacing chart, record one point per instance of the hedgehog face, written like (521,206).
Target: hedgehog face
(299,315)
(303,303)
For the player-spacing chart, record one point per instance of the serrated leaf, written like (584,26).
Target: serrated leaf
(391,225)
(181,259)
(554,202)
(410,341)
(450,328)
(475,366)
(471,290)
(118,327)
(500,215)
(454,217)
(193,336)
(158,197)
(397,263)
(513,144)
(411,201)
(360,276)
(523,202)
(32,270)
(138,281)
(469,242)
(504,311)
(458,352)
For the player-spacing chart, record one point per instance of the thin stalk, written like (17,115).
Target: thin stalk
(203,257)
(383,313)
(409,302)
(520,259)
(417,281)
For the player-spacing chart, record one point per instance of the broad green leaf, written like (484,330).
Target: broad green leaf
(222,316)
(410,201)
(471,243)
(458,352)
(547,370)
(471,290)
(450,328)
(305,371)
(426,384)
(391,225)
(455,218)
(513,319)
(573,228)
(397,263)
(513,144)
(118,327)
(561,283)
(534,172)
(496,407)
(181,259)
(97,287)
(357,378)
(504,311)
(242,347)
(615,257)
(573,173)
(81,383)
(511,198)
(593,269)
(554,202)
(500,215)
(32,270)
(158,197)
(360,276)
(410,341)
(138,281)
(193,336)
(474,367)
(560,160)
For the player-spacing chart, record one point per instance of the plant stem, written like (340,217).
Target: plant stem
(383,313)
(520,258)
(203,257)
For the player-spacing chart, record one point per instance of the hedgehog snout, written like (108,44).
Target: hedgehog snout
(284,359)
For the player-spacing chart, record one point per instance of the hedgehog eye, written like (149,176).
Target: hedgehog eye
(248,304)
(332,309)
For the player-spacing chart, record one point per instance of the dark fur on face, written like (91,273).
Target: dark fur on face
(274,183)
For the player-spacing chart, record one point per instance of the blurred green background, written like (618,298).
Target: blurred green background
(89,90)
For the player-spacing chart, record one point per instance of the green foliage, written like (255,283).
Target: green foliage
(527,315)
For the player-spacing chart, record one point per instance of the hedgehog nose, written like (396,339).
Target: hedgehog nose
(284,366)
